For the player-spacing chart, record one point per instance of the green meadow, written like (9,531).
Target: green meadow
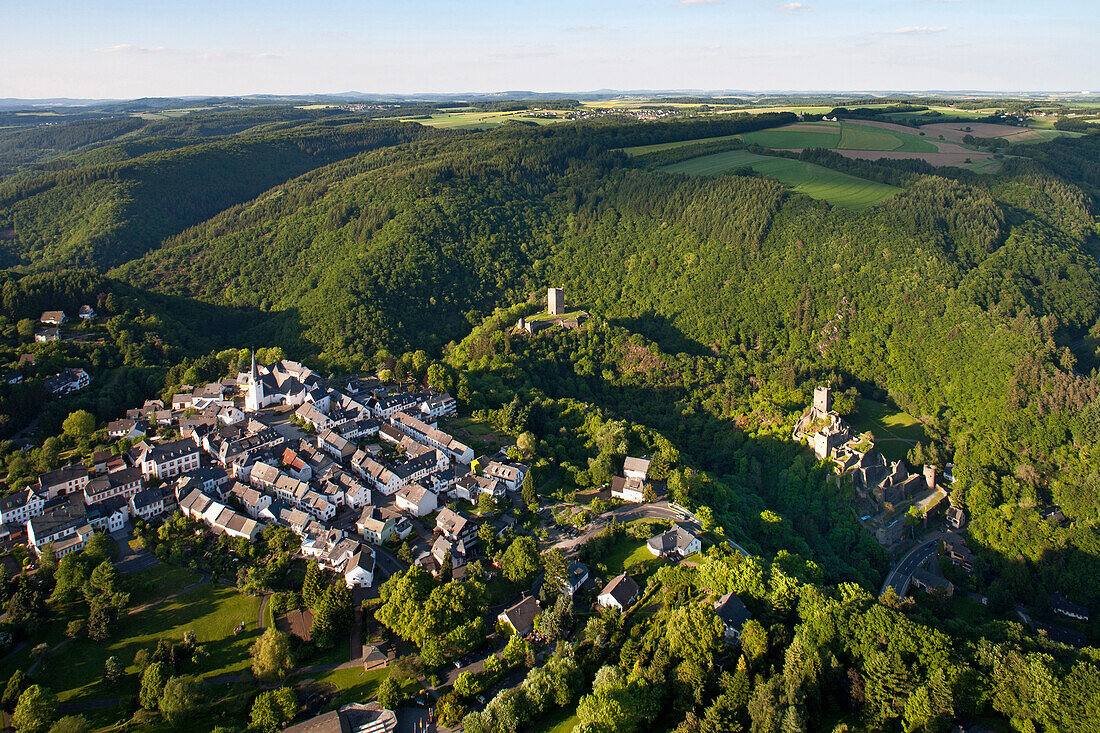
(839,189)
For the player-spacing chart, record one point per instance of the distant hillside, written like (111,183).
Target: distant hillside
(116,203)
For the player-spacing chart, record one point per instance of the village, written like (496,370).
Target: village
(354,467)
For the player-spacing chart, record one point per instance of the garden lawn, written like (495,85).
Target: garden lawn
(212,612)
(354,684)
(157,582)
(895,431)
(839,189)
(628,553)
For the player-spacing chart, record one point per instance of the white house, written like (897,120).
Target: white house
(359,571)
(147,504)
(417,500)
(17,508)
(167,459)
(620,593)
(676,542)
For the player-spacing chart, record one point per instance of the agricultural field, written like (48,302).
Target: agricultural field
(477,120)
(837,188)
(644,149)
(799,135)
(843,135)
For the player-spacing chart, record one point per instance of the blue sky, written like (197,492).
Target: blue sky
(93,48)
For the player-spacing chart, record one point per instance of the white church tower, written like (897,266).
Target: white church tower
(254,400)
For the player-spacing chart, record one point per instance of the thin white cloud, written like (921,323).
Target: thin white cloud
(794,8)
(580,28)
(699,2)
(131,48)
(238,55)
(914,30)
(330,34)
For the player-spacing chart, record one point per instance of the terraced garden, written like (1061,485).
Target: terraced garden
(839,189)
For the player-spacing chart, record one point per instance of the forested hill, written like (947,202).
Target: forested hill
(111,204)
(956,298)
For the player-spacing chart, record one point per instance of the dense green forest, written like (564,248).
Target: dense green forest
(970,301)
(116,202)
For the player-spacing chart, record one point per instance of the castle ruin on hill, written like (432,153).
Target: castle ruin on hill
(876,481)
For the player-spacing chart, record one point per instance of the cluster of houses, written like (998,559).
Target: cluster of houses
(377,455)
(50,323)
(876,480)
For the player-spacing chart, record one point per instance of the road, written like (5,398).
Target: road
(626,513)
(657,510)
(902,573)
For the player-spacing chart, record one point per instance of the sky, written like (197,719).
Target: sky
(137,48)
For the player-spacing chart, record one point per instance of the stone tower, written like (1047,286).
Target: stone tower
(823,399)
(555,301)
(930,476)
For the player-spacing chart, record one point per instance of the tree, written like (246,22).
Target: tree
(466,684)
(450,710)
(273,710)
(153,681)
(16,684)
(112,671)
(530,496)
(313,585)
(516,651)
(521,560)
(179,698)
(557,570)
(25,327)
(71,724)
(35,711)
(527,442)
(486,504)
(271,657)
(79,424)
(389,694)
(334,614)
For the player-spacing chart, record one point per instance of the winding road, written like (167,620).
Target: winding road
(901,575)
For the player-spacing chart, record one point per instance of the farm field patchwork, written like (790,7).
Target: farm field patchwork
(815,181)
(476,120)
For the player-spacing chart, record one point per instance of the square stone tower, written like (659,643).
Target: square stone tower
(555,301)
(823,400)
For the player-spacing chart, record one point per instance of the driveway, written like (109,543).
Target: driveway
(130,560)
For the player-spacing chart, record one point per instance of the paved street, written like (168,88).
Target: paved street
(902,573)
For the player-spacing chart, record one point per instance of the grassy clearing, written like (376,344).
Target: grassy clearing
(159,581)
(895,431)
(815,181)
(863,137)
(212,612)
(551,317)
(561,721)
(628,553)
(354,684)
(845,135)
